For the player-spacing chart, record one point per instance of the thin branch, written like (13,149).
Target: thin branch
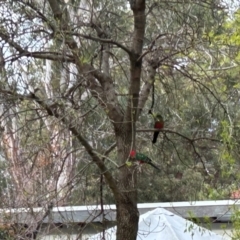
(146,89)
(7,38)
(102,185)
(152,44)
(111,148)
(153,65)
(177,133)
(54,56)
(104,92)
(40,14)
(103,40)
(25,53)
(51,110)
(94,155)
(47,213)
(191,141)
(184,73)
(106,81)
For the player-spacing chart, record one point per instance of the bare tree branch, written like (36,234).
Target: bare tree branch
(146,89)
(51,110)
(107,94)
(177,133)
(103,40)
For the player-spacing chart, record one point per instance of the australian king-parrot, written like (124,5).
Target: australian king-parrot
(159,124)
(142,158)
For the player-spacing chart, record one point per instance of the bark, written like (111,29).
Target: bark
(146,89)
(127,212)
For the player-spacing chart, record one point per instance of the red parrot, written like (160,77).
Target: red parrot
(142,158)
(159,124)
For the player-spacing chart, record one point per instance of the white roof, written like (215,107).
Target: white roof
(220,210)
(161,224)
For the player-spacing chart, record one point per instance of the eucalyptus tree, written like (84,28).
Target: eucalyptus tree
(76,77)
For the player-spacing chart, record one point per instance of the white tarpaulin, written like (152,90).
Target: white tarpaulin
(161,224)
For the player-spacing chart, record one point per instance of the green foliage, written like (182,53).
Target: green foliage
(235,219)
(6,233)
(71,67)
(195,47)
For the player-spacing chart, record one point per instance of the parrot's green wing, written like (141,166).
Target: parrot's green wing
(141,157)
(145,159)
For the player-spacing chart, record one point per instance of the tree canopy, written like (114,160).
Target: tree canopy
(79,81)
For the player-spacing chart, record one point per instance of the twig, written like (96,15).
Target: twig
(35,232)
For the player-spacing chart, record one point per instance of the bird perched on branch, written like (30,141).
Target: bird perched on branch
(159,124)
(142,158)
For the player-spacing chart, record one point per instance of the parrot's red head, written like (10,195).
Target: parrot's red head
(133,154)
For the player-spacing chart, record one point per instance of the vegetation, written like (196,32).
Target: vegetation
(78,81)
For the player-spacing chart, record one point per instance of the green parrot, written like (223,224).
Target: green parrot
(142,158)
(159,124)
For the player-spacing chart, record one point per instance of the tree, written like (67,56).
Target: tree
(66,65)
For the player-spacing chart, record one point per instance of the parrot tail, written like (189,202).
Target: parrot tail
(153,165)
(155,135)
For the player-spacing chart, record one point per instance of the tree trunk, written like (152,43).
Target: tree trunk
(126,203)
(127,216)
